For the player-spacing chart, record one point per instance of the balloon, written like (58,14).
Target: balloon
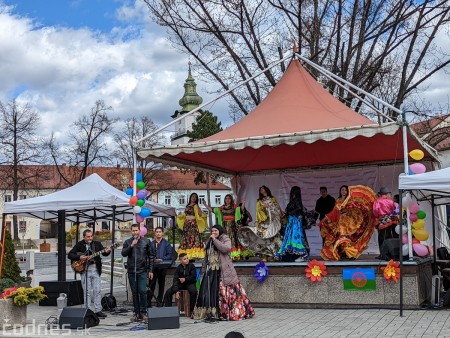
(140,185)
(133,200)
(410,172)
(140,203)
(416,154)
(404,229)
(143,231)
(421,214)
(415,241)
(138,177)
(137,209)
(414,208)
(145,212)
(170,225)
(139,218)
(420,249)
(419,224)
(142,194)
(405,239)
(129,191)
(407,200)
(413,217)
(405,249)
(132,183)
(420,234)
(417,168)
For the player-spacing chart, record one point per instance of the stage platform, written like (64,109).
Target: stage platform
(288,287)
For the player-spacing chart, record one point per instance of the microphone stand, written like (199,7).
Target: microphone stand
(209,317)
(136,295)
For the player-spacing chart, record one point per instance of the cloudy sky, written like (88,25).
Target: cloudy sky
(63,55)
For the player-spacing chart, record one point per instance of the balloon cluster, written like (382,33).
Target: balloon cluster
(138,201)
(416,168)
(417,223)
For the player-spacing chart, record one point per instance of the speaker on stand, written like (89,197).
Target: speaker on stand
(77,318)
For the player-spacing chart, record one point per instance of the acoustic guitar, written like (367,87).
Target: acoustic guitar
(80,266)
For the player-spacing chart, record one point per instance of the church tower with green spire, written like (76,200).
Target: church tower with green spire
(189,101)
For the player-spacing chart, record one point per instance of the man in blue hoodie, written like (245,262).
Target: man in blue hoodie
(163,250)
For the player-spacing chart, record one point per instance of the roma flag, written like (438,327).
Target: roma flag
(359,279)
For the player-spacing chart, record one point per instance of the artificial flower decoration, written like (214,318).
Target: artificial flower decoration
(392,271)
(261,271)
(7,292)
(316,270)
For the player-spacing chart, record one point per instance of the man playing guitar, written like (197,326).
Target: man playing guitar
(90,277)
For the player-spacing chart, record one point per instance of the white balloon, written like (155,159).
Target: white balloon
(405,249)
(404,229)
(407,200)
(137,209)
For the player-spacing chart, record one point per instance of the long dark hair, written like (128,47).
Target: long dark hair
(269,194)
(343,186)
(295,205)
(190,197)
(232,200)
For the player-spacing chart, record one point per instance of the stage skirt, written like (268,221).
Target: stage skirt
(191,244)
(293,240)
(233,303)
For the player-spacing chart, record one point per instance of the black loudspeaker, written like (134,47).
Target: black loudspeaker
(72,288)
(77,318)
(390,249)
(160,318)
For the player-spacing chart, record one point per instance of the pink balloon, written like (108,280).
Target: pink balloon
(417,168)
(139,218)
(413,217)
(420,249)
(414,208)
(405,239)
(143,231)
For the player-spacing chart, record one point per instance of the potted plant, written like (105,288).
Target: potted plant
(13,304)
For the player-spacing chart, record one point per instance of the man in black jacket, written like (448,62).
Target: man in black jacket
(90,277)
(140,258)
(184,278)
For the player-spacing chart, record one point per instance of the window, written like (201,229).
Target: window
(217,198)
(201,199)
(22,197)
(167,200)
(8,198)
(182,199)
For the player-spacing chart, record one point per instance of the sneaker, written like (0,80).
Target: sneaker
(101,315)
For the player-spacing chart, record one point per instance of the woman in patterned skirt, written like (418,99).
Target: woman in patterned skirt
(191,223)
(221,295)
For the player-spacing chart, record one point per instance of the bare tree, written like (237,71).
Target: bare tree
(87,144)
(19,147)
(135,129)
(377,45)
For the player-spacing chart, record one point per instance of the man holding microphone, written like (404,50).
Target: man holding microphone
(140,258)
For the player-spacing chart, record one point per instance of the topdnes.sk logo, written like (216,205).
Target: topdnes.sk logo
(34,328)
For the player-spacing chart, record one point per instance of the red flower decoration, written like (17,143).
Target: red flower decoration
(392,271)
(7,292)
(316,270)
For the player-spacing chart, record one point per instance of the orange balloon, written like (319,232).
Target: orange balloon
(132,183)
(133,200)
(415,241)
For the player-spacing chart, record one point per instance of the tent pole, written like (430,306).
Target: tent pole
(134,177)
(400,235)
(61,246)
(113,239)
(3,242)
(77,238)
(434,235)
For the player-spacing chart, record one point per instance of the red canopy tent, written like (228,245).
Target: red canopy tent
(297,117)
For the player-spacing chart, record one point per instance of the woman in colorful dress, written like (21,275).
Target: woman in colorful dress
(348,228)
(228,216)
(265,238)
(294,245)
(221,295)
(191,223)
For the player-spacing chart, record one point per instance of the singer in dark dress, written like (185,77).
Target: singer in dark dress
(90,278)
(140,258)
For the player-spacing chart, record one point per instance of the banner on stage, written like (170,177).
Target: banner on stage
(359,279)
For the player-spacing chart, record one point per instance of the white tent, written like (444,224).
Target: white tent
(89,200)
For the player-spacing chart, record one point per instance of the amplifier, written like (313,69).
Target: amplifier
(72,288)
